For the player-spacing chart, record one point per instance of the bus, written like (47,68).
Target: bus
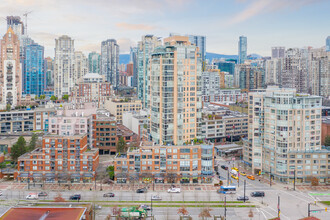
(227,189)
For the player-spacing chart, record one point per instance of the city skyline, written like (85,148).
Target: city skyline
(222,22)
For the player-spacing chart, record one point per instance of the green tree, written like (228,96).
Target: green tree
(8,107)
(327,140)
(111,171)
(65,97)
(53,98)
(19,148)
(33,142)
(35,97)
(121,145)
(42,97)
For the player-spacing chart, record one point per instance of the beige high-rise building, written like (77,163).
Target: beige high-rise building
(64,66)
(284,135)
(175,92)
(10,70)
(80,66)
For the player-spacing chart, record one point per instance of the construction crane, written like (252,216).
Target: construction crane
(25,15)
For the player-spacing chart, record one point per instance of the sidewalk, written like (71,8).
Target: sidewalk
(105,187)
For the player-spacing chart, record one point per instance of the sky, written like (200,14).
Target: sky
(266,23)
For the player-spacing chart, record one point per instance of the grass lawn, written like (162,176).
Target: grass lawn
(325,202)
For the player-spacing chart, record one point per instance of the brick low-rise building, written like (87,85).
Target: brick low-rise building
(61,158)
(166,164)
(104,132)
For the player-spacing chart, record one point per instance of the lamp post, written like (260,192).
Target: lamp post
(244,189)
(228,178)
(294,180)
(151,204)
(278,207)
(225,208)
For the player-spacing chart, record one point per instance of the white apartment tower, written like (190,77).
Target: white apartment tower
(80,66)
(285,135)
(64,66)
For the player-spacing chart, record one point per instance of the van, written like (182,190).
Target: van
(32,196)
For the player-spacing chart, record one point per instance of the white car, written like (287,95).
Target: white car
(156,198)
(174,190)
(32,196)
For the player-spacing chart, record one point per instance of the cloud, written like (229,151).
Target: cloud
(266,6)
(125,44)
(131,27)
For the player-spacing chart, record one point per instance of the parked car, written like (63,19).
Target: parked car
(42,194)
(145,207)
(258,194)
(142,190)
(174,190)
(224,167)
(75,197)
(241,198)
(32,196)
(108,195)
(98,207)
(156,197)
(251,177)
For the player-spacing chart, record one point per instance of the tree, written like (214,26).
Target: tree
(121,145)
(53,98)
(42,97)
(33,142)
(314,181)
(65,97)
(8,107)
(183,211)
(35,97)
(327,140)
(205,213)
(251,214)
(19,148)
(111,171)
(59,198)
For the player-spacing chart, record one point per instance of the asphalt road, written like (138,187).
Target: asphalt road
(293,204)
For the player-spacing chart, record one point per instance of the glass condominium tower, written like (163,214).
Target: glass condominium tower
(175,92)
(145,48)
(242,49)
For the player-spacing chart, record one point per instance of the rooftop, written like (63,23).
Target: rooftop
(43,213)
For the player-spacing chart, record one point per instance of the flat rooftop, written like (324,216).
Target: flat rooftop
(47,213)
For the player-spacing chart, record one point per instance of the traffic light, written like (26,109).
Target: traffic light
(326,209)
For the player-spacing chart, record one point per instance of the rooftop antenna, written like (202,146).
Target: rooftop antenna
(25,15)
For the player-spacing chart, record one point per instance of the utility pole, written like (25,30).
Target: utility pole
(294,180)
(309,209)
(244,189)
(228,178)
(270,176)
(151,204)
(225,208)
(278,207)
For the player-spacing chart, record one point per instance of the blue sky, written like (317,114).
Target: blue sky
(266,23)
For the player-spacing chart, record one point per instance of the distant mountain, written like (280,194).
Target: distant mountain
(124,58)
(254,56)
(211,56)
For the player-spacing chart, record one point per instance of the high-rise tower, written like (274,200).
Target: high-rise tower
(64,66)
(175,92)
(242,49)
(10,70)
(110,61)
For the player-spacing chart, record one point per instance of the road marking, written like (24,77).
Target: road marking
(262,213)
(276,212)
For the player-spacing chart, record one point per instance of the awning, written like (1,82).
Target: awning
(134,176)
(159,175)
(185,175)
(62,175)
(75,175)
(37,175)
(195,175)
(121,175)
(50,175)
(88,175)
(23,175)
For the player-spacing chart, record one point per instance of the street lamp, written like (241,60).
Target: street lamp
(151,204)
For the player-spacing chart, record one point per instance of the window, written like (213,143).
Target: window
(47,168)
(34,167)
(72,168)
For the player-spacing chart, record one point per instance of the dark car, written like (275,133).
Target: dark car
(142,190)
(108,195)
(75,197)
(258,194)
(145,207)
(241,198)
(42,194)
(224,167)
